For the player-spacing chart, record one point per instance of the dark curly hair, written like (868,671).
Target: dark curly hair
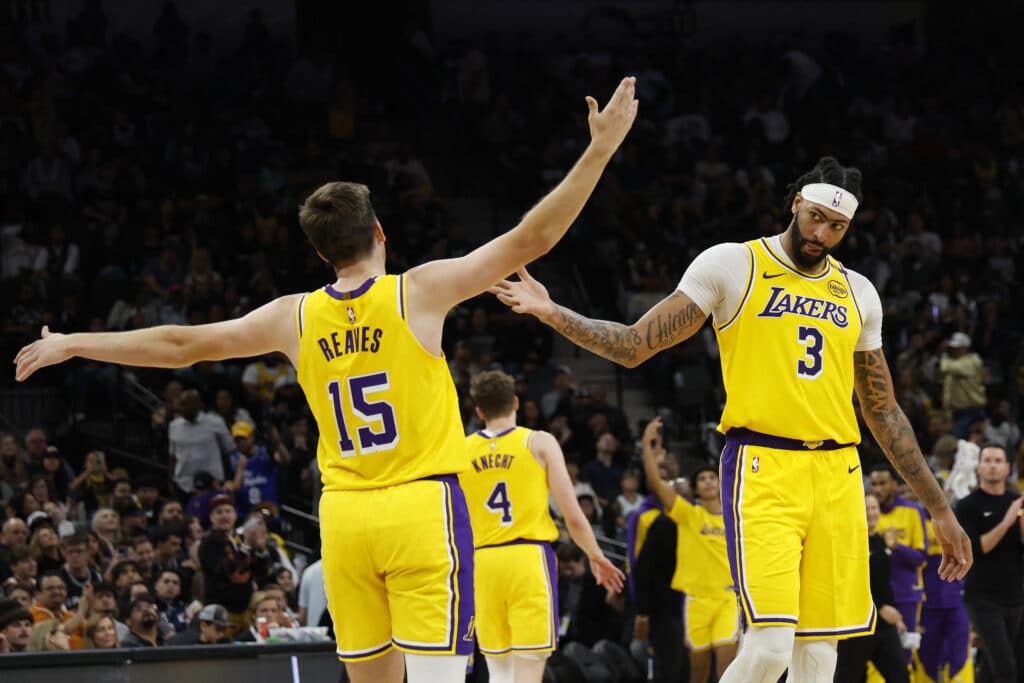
(827,170)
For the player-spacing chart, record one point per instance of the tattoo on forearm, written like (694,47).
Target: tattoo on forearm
(614,341)
(664,331)
(890,426)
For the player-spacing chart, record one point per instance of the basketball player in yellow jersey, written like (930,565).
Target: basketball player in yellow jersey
(710,619)
(798,334)
(397,546)
(511,470)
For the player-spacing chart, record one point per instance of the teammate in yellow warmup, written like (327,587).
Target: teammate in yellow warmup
(710,615)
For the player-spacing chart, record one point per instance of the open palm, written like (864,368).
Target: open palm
(525,295)
(607,574)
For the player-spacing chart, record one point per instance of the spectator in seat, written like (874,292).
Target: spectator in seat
(169,604)
(143,622)
(142,554)
(24,568)
(963,383)
(197,441)
(77,573)
(15,626)
(45,547)
(208,628)
(259,469)
(100,633)
(262,605)
(13,532)
(48,636)
(228,565)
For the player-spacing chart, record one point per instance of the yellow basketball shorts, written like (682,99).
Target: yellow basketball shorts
(710,620)
(516,598)
(796,533)
(398,569)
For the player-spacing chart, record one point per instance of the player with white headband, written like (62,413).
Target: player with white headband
(798,334)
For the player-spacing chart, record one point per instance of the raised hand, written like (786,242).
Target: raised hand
(608,127)
(525,295)
(607,574)
(49,349)
(652,435)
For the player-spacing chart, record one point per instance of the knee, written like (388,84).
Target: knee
(768,649)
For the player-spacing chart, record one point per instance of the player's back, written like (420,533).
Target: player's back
(787,351)
(386,408)
(506,489)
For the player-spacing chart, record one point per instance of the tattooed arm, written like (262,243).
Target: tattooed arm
(891,429)
(672,320)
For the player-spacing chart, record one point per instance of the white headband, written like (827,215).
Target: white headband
(831,196)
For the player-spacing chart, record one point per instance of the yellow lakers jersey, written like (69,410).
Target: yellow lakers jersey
(787,352)
(506,489)
(386,408)
(702,560)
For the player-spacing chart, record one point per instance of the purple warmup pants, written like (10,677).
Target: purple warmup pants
(945,641)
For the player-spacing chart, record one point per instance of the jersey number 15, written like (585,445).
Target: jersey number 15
(381,431)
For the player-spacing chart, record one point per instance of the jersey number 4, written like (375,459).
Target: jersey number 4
(810,366)
(381,431)
(498,502)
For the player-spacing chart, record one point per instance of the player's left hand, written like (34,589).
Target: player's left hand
(607,574)
(50,349)
(957,555)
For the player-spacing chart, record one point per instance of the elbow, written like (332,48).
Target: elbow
(577,524)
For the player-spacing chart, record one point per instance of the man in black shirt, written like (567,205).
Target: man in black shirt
(658,607)
(994,588)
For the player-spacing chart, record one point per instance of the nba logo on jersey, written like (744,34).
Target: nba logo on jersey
(755,464)
(351,316)
(837,198)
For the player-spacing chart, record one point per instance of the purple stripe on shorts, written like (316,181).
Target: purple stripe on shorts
(851,631)
(549,557)
(463,630)
(727,475)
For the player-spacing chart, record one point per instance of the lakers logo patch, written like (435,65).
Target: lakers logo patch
(838,289)
(755,464)
(470,630)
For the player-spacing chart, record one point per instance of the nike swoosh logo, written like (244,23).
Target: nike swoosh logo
(766,276)
(986,514)
(851,470)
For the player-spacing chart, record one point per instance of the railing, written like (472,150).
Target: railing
(294,662)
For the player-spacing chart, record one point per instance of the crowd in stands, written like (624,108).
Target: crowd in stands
(158,184)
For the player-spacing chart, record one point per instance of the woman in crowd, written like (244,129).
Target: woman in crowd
(48,636)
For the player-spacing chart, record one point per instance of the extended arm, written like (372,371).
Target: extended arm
(672,320)
(891,429)
(547,450)
(652,446)
(438,285)
(269,328)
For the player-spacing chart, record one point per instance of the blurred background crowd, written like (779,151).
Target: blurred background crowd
(155,179)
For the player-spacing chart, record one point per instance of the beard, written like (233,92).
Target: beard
(797,243)
(149,621)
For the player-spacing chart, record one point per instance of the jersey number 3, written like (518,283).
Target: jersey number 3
(381,431)
(498,502)
(809,367)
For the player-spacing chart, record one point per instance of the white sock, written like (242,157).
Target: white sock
(814,661)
